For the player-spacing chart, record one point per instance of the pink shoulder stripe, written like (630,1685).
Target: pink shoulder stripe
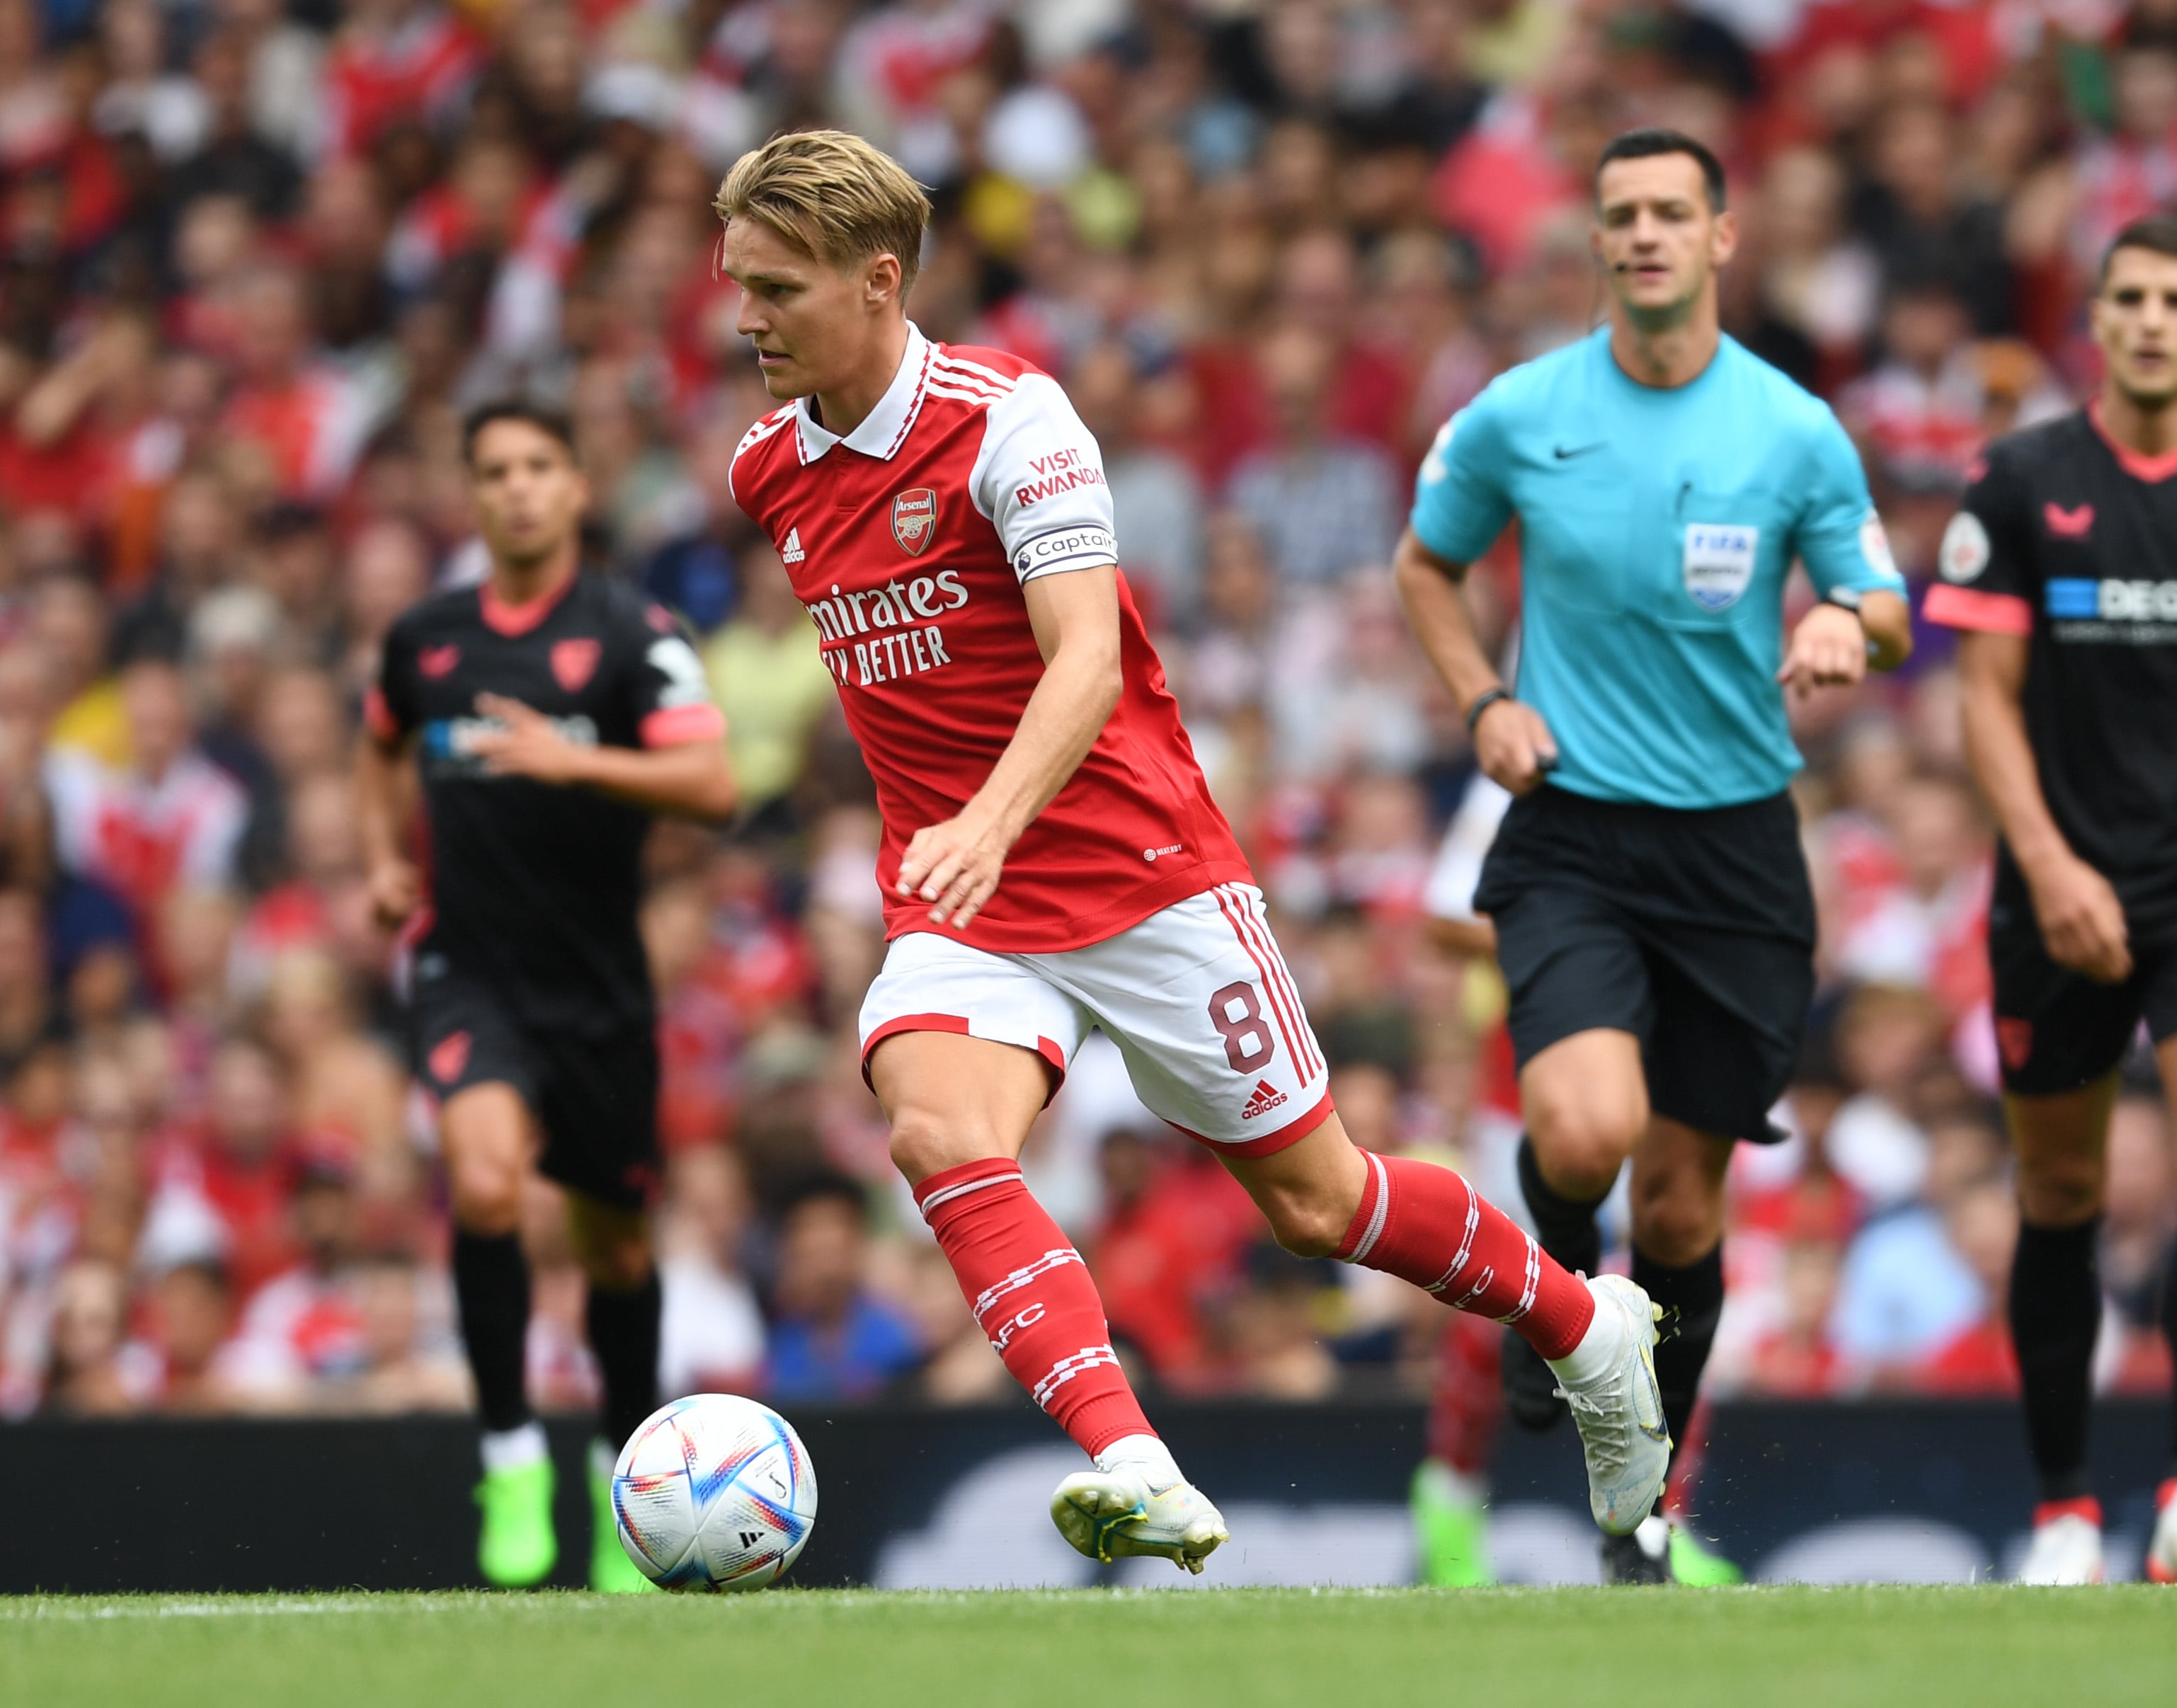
(1967,608)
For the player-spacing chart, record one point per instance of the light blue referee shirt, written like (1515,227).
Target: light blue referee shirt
(1657,528)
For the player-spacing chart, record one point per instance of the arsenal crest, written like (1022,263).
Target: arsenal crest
(915,518)
(435,662)
(574,662)
(449,1056)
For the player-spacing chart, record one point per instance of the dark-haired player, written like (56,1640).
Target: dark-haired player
(1652,906)
(2062,569)
(550,713)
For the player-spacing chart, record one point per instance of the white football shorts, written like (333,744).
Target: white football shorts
(1195,997)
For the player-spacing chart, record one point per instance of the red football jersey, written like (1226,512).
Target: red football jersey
(908,540)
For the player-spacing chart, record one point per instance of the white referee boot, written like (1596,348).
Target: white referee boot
(1609,1381)
(1135,1502)
(2067,1549)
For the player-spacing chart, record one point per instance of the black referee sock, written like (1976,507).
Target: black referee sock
(1692,1299)
(623,1328)
(1565,1227)
(491,1285)
(2056,1312)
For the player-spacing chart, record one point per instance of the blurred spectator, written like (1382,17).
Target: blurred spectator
(712,1339)
(830,1338)
(1909,1290)
(172,816)
(1323,503)
(768,675)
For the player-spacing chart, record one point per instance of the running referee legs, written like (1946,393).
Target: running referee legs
(1678,1253)
(2055,1288)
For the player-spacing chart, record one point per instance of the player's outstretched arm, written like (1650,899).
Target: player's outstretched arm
(384,802)
(955,865)
(1512,743)
(2081,920)
(690,779)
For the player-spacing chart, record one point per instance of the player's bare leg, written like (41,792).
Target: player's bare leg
(1324,1196)
(2061,1142)
(960,1109)
(489,1143)
(622,1317)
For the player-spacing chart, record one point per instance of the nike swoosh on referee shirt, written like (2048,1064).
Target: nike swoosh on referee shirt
(1579,449)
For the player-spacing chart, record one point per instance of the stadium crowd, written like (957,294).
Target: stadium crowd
(253,262)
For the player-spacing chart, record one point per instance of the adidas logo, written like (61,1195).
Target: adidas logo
(791,552)
(1267,1098)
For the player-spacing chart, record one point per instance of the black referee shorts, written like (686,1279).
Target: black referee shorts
(2057,1030)
(594,1098)
(1693,931)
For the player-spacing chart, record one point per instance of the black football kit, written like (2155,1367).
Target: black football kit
(529,968)
(2069,541)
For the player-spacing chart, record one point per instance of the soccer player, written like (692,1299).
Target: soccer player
(2061,569)
(1652,906)
(1052,859)
(551,712)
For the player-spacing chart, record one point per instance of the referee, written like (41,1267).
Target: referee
(2062,569)
(1653,915)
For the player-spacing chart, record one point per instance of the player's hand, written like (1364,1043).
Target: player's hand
(954,867)
(2082,920)
(396,891)
(530,745)
(1514,745)
(1828,650)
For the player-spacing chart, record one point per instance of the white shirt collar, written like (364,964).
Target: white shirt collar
(883,430)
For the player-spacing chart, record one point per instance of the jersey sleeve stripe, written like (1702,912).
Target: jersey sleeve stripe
(677,724)
(967,383)
(1967,608)
(937,390)
(989,376)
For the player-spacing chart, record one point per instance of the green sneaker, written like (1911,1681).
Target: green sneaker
(612,1572)
(1450,1527)
(1694,1564)
(517,1547)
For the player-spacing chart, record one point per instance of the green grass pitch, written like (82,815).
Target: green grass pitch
(1766,1648)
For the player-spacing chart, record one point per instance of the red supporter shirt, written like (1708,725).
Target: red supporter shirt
(909,540)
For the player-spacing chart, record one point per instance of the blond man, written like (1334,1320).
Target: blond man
(1052,860)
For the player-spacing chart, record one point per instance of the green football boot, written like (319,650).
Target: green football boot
(1451,1528)
(612,1572)
(1694,1563)
(517,1547)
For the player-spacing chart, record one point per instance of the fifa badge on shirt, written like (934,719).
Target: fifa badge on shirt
(1719,563)
(915,518)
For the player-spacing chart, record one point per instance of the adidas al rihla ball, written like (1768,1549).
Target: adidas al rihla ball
(714,1492)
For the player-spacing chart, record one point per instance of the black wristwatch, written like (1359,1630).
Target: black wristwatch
(1482,701)
(1844,598)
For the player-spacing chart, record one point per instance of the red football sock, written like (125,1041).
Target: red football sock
(1032,1296)
(1425,1225)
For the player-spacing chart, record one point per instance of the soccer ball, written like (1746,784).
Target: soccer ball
(714,1492)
